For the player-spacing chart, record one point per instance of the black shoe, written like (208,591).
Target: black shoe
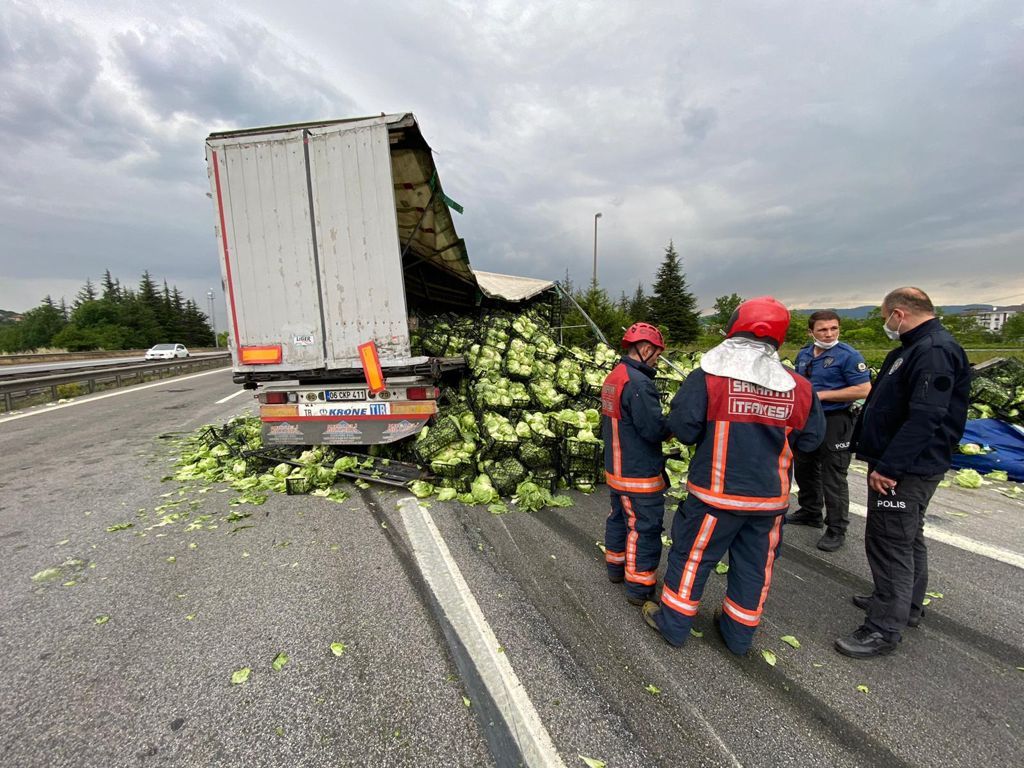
(639,599)
(863,601)
(831,541)
(864,644)
(616,579)
(801,517)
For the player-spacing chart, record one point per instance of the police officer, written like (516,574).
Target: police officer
(910,426)
(633,429)
(839,376)
(746,413)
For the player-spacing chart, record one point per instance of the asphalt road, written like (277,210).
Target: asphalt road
(194,600)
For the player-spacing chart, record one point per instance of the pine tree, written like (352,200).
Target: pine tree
(673,306)
(111,287)
(38,326)
(639,308)
(87,293)
(599,308)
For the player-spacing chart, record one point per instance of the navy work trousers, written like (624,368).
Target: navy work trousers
(701,535)
(632,540)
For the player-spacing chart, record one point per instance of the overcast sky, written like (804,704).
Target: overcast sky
(822,152)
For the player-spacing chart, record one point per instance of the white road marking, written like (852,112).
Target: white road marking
(126,391)
(233,394)
(961,542)
(452,592)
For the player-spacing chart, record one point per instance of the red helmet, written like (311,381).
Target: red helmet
(643,332)
(763,318)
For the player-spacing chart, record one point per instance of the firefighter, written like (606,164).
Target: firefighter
(634,428)
(746,413)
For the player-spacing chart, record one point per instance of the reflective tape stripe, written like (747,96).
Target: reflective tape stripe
(676,603)
(631,537)
(616,449)
(773,542)
(726,501)
(615,558)
(647,578)
(718,456)
(738,613)
(635,484)
(785,459)
(700,543)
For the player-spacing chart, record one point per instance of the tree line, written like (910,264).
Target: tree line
(672,307)
(110,316)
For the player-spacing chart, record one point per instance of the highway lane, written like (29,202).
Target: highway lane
(951,695)
(152,685)
(40,369)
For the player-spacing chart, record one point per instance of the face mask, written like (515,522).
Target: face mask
(893,335)
(825,344)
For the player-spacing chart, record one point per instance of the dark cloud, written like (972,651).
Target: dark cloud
(238,74)
(48,68)
(819,152)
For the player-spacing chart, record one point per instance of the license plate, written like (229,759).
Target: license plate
(345,394)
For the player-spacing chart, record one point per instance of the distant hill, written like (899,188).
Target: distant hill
(859,313)
(6,316)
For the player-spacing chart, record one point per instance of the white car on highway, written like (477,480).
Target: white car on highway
(166,352)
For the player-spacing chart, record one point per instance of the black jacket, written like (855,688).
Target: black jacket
(917,409)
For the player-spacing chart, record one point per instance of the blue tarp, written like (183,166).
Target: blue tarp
(1006,442)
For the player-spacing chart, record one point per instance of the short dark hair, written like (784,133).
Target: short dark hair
(823,314)
(913,299)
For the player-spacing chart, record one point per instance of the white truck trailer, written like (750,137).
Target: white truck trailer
(330,235)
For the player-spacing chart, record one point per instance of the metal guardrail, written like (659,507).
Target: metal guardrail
(23,358)
(85,367)
(113,376)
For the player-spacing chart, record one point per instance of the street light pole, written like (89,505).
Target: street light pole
(596,217)
(213,321)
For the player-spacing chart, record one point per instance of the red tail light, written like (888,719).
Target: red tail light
(273,398)
(423,393)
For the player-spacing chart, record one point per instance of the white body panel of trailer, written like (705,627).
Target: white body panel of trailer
(309,245)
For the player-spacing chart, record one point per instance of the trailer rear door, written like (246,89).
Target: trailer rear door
(309,245)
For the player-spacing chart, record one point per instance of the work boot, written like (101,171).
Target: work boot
(864,643)
(649,611)
(616,578)
(863,601)
(831,541)
(803,517)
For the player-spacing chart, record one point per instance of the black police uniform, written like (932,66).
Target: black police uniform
(821,474)
(911,424)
